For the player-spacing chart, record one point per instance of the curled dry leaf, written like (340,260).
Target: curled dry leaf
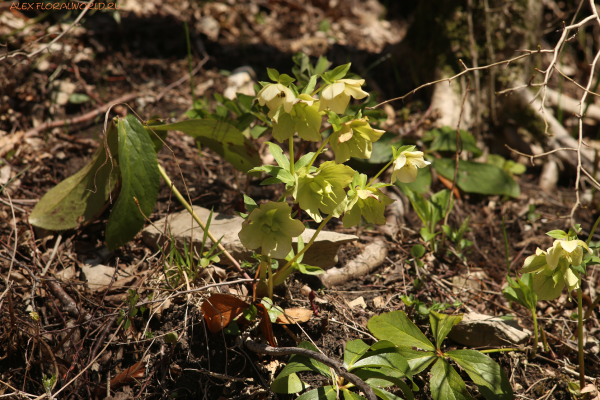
(294,315)
(220,309)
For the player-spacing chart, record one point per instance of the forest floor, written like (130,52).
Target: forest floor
(144,59)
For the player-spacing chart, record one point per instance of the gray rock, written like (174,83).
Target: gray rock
(478,330)
(323,253)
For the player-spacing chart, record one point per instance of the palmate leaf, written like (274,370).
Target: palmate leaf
(139,179)
(83,194)
(441,324)
(221,137)
(398,329)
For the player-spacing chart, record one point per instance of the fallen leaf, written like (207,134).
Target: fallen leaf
(379,302)
(359,301)
(294,315)
(448,184)
(220,309)
(265,325)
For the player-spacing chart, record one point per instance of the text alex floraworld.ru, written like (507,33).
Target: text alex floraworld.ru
(64,6)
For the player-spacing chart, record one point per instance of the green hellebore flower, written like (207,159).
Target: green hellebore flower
(303,118)
(571,250)
(323,190)
(275,95)
(369,202)
(337,95)
(272,228)
(406,165)
(354,139)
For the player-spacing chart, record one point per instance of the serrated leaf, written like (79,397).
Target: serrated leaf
(441,325)
(82,194)
(355,349)
(485,373)
(398,329)
(139,179)
(221,137)
(280,158)
(446,384)
(322,393)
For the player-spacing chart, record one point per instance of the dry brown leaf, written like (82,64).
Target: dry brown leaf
(220,309)
(294,315)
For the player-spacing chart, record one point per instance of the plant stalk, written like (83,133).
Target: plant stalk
(380,172)
(580,338)
(318,152)
(291,150)
(270,280)
(589,239)
(306,246)
(189,208)
(535,333)
(500,350)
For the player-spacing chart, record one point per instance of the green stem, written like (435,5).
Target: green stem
(189,208)
(306,247)
(318,152)
(589,239)
(580,338)
(270,280)
(506,249)
(291,155)
(379,173)
(544,341)
(535,333)
(500,350)
(317,90)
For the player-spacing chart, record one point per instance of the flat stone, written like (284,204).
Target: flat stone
(323,252)
(478,330)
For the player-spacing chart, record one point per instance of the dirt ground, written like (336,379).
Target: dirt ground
(140,51)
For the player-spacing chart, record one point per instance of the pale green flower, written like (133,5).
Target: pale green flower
(271,227)
(323,190)
(336,96)
(406,165)
(369,202)
(275,95)
(354,139)
(304,118)
(571,250)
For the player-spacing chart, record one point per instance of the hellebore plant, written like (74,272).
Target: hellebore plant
(560,266)
(328,190)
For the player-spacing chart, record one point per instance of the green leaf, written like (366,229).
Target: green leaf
(221,137)
(139,179)
(82,194)
(348,395)
(171,337)
(444,139)
(446,384)
(338,72)
(485,373)
(322,65)
(303,161)
(385,395)
(288,384)
(309,269)
(398,329)
(276,172)
(355,349)
(441,325)
(388,358)
(308,89)
(417,251)
(257,130)
(250,204)
(285,79)
(322,393)
(280,158)
(474,177)
(273,74)
(300,363)
(557,234)
(417,360)
(79,98)
(384,377)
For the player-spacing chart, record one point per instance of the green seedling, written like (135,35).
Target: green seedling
(417,349)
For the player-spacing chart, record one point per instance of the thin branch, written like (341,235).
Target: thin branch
(532,156)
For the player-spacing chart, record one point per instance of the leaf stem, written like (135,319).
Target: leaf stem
(535,333)
(589,239)
(580,338)
(501,350)
(199,221)
(380,172)
(291,150)
(306,246)
(317,153)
